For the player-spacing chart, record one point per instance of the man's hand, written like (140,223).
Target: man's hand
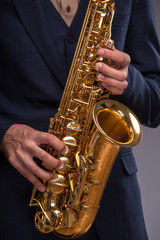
(21,143)
(113,76)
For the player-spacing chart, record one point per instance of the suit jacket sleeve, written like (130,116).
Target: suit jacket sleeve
(143,92)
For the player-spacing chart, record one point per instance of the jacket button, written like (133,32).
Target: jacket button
(71,40)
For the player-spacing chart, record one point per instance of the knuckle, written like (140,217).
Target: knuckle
(35,133)
(11,158)
(26,144)
(124,59)
(18,153)
(126,74)
(50,138)
(125,84)
(128,58)
(43,155)
(27,132)
(122,76)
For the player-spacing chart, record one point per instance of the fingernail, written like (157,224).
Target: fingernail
(65,151)
(60,166)
(101,77)
(109,45)
(101,52)
(98,66)
(41,188)
(55,176)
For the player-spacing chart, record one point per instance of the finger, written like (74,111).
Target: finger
(36,151)
(112,82)
(115,55)
(20,166)
(25,159)
(112,72)
(47,138)
(33,168)
(30,170)
(113,90)
(46,157)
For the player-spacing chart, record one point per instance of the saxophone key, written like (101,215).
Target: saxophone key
(70,141)
(72,181)
(73,127)
(57,185)
(65,165)
(69,217)
(79,101)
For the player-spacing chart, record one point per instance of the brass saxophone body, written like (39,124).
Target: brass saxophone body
(93,128)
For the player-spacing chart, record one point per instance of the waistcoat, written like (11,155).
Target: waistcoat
(65,37)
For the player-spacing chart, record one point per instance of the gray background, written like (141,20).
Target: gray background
(147,154)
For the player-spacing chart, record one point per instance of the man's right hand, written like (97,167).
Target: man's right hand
(22,143)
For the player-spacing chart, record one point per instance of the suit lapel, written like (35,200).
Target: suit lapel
(34,21)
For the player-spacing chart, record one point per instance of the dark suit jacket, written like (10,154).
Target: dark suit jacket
(34,64)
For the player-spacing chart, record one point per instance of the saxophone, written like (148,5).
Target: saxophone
(93,127)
